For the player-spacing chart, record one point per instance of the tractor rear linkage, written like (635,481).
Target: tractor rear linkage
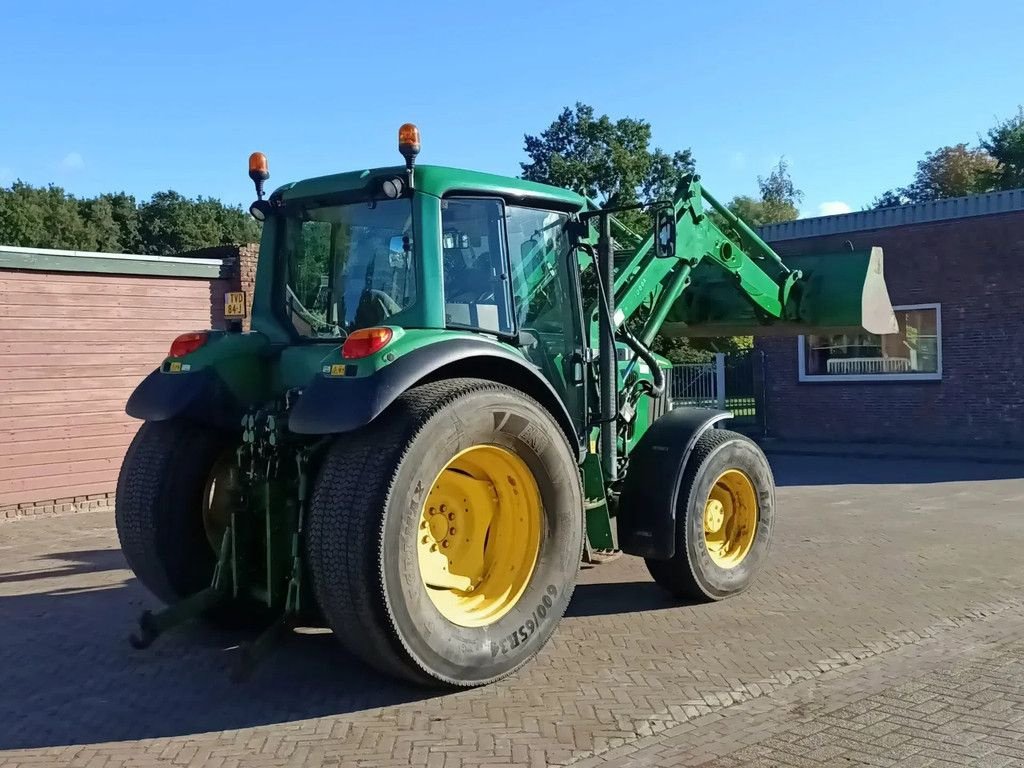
(268,454)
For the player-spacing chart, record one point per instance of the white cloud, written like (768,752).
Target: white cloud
(72,162)
(833,207)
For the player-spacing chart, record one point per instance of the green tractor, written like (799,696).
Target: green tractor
(446,402)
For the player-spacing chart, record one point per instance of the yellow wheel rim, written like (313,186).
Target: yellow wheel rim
(730,518)
(479,535)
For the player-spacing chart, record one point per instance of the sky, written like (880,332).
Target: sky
(142,97)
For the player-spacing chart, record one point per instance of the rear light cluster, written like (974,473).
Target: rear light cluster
(186,344)
(365,342)
(361,343)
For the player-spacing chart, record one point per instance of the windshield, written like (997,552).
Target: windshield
(347,266)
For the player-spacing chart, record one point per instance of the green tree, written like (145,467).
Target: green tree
(104,234)
(43,217)
(125,212)
(778,200)
(170,223)
(951,171)
(609,161)
(1005,144)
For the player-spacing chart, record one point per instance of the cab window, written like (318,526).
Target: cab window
(476,293)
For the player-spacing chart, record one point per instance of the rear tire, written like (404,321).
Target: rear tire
(699,571)
(368,526)
(159,518)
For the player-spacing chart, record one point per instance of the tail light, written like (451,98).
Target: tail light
(365,342)
(186,344)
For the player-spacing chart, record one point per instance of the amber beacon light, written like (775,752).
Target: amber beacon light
(409,146)
(409,140)
(259,173)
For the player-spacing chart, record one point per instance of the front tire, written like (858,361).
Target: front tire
(445,537)
(724,522)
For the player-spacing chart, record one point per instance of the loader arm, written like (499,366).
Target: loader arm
(721,283)
(756,269)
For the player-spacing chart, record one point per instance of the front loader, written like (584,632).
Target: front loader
(446,401)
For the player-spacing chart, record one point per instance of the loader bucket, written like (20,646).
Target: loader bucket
(842,291)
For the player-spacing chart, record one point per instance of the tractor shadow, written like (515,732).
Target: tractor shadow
(621,597)
(72,564)
(68,675)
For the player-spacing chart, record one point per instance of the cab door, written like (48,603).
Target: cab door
(546,301)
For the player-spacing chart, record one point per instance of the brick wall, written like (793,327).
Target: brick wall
(972,267)
(74,342)
(89,503)
(247,257)
(239,271)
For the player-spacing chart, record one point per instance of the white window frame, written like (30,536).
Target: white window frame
(841,377)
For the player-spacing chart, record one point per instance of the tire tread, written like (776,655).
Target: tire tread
(344,542)
(677,574)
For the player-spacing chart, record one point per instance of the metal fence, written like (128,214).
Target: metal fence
(698,384)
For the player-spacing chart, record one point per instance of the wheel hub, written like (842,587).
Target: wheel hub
(714,516)
(438,524)
(730,518)
(479,535)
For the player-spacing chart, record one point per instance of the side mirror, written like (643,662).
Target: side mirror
(398,248)
(400,244)
(664,232)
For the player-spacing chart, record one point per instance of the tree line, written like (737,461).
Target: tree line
(167,223)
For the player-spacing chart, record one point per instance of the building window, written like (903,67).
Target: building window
(913,354)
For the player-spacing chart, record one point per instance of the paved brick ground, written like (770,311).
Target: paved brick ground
(885,629)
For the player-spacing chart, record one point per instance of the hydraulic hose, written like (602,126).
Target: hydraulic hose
(658,385)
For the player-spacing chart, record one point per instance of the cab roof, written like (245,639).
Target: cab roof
(438,181)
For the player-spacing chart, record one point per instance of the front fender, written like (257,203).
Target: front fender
(342,404)
(646,517)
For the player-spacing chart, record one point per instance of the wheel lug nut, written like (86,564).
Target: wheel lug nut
(451,531)
(445,544)
(451,515)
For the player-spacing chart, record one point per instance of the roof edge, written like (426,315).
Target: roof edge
(54,260)
(983,204)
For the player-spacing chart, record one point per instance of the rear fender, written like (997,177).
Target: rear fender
(649,503)
(332,405)
(198,396)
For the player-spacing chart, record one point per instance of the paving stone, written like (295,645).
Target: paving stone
(877,604)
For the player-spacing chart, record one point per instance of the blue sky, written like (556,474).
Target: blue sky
(147,96)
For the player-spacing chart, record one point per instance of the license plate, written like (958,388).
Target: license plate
(234,305)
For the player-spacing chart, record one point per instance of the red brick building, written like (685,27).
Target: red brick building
(954,375)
